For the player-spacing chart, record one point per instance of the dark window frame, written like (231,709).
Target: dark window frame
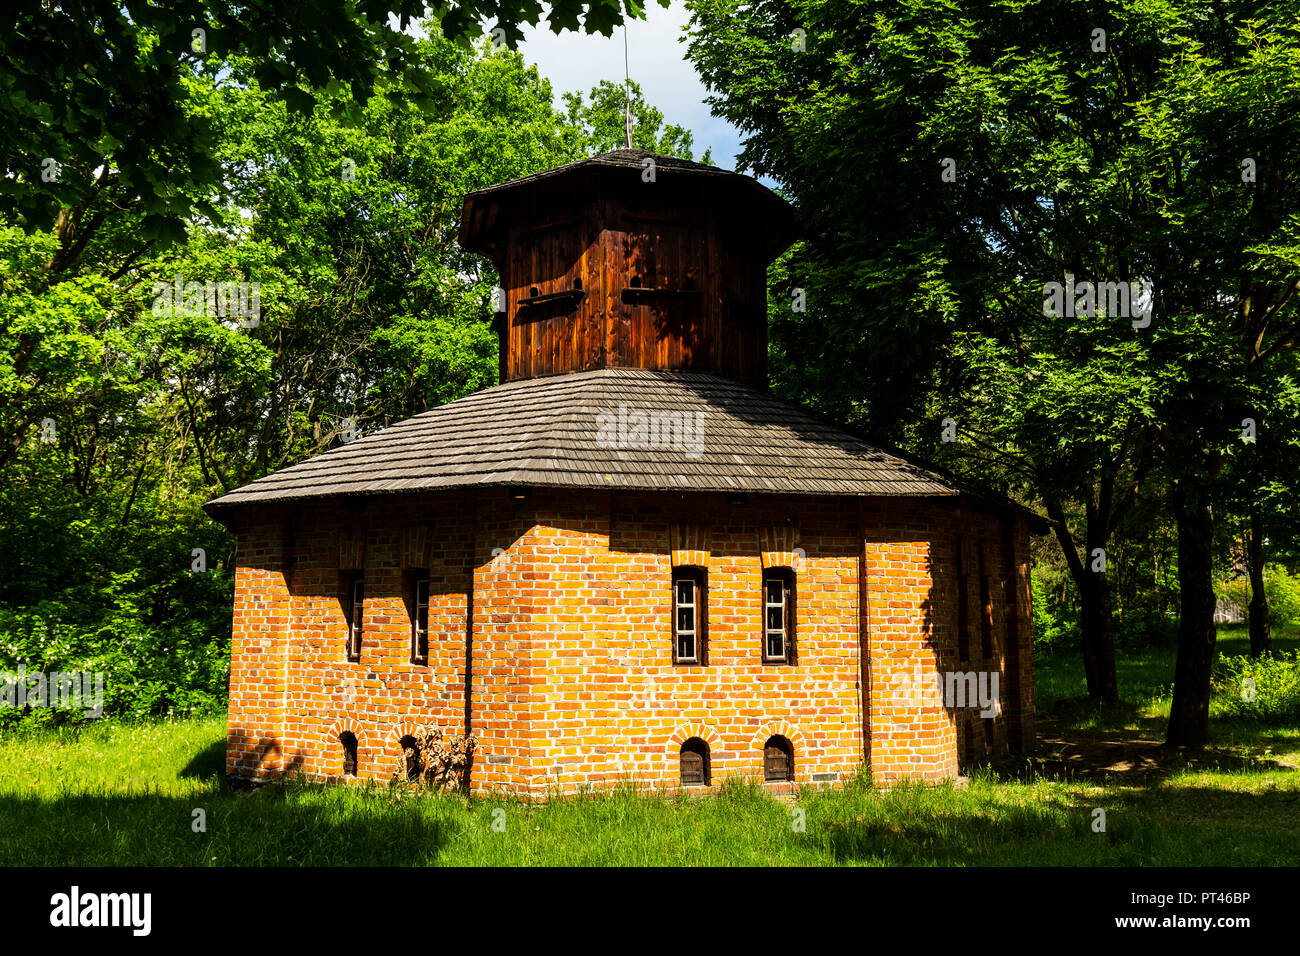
(353,598)
(418,610)
(788,605)
(699,634)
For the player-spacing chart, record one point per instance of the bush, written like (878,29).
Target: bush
(1266,688)
(1145,627)
(150,668)
(1281,587)
(1050,633)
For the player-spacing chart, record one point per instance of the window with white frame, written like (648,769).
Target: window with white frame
(689,616)
(778,616)
(420,619)
(354,603)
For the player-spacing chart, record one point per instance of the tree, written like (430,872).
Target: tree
(1263,485)
(601,117)
(1062,409)
(93,93)
(950,165)
(369,310)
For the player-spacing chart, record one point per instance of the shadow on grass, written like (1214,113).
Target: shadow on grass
(208,762)
(1161,824)
(259,828)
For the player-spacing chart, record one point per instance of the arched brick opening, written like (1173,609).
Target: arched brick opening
(778,759)
(694,768)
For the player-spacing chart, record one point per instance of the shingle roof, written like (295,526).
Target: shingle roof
(773,225)
(581,431)
(627,158)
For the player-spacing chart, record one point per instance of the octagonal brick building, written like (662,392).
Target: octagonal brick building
(627,561)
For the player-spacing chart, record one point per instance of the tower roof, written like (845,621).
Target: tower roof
(487,211)
(549,432)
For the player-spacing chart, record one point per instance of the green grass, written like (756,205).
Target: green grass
(1146,687)
(124,794)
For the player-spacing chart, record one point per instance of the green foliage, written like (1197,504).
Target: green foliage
(120,416)
(1266,688)
(601,117)
(101,88)
(1281,588)
(1053,628)
(1145,627)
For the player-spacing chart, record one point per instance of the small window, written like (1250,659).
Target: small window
(420,619)
(963,610)
(411,758)
(778,759)
(986,617)
(354,604)
(695,763)
(690,616)
(635,283)
(778,616)
(577,285)
(348,741)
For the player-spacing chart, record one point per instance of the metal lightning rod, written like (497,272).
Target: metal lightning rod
(627,94)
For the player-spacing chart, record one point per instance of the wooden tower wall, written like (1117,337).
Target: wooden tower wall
(642,276)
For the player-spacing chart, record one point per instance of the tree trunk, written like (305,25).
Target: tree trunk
(1097,639)
(1261,640)
(1189,718)
(1098,635)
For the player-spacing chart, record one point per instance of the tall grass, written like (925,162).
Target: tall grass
(126,793)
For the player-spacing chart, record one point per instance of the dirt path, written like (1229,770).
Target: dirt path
(1111,754)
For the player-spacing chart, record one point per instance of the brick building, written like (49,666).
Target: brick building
(627,560)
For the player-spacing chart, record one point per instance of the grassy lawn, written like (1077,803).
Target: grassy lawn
(124,794)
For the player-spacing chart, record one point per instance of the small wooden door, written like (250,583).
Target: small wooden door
(776,763)
(692,769)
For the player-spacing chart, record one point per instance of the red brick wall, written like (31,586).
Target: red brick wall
(570,670)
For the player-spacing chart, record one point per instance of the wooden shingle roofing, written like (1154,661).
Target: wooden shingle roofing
(582,430)
(771,218)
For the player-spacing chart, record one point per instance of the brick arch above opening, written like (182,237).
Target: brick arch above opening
(334,744)
(404,728)
(777,728)
(689,545)
(685,732)
(345,725)
(778,547)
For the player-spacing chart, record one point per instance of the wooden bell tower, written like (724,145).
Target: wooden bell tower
(631,260)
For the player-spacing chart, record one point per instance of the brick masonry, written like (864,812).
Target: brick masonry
(551,636)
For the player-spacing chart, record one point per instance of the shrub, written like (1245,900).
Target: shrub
(150,668)
(1281,587)
(436,760)
(1145,627)
(1265,688)
(1050,633)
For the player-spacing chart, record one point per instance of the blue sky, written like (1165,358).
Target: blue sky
(577,61)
